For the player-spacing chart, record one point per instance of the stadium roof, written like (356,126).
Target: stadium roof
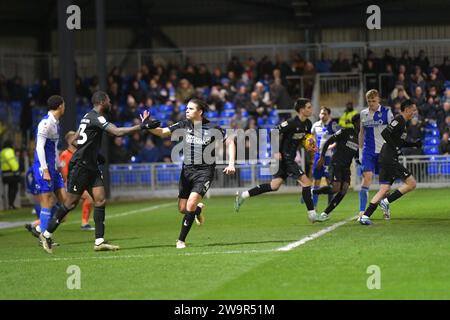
(24,17)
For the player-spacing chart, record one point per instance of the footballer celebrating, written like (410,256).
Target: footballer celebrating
(84,173)
(198,171)
(390,167)
(347,148)
(293,132)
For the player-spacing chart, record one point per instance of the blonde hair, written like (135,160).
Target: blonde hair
(69,135)
(372,94)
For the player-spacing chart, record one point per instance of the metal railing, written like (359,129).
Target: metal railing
(155,180)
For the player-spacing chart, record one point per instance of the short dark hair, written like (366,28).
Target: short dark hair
(405,104)
(328,110)
(355,119)
(54,102)
(201,105)
(98,97)
(300,103)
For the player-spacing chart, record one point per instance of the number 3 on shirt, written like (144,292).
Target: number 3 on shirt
(83,136)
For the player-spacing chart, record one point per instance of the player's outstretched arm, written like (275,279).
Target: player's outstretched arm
(146,124)
(230,169)
(160,132)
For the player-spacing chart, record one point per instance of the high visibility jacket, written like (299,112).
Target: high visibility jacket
(345,121)
(8,160)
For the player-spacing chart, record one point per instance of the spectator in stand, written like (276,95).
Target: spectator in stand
(190,73)
(45,92)
(398,94)
(433,93)
(446,95)
(370,75)
(417,81)
(135,145)
(203,78)
(444,146)
(113,93)
(154,91)
(441,114)
(257,108)
(401,96)
(94,86)
(414,133)
(262,93)
(445,68)
(228,90)
(118,153)
(356,64)
(235,66)
(185,91)
(215,100)
(324,64)
(428,111)
(279,96)
(242,99)
(283,66)
(176,114)
(406,61)
(137,92)
(341,64)
(345,121)
(388,58)
(216,77)
(396,108)
(387,81)
(419,96)
(422,61)
(433,81)
(165,150)
(114,113)
(150,152)
(264,68)
(10,171)
(17,91)
(309,75)
(130,111)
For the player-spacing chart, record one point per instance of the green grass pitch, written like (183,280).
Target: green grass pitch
(234,256)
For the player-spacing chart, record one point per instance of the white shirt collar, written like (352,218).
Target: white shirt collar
(52,117)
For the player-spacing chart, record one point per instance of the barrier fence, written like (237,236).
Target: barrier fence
(161,179)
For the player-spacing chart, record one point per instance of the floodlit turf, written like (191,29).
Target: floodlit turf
(233,255)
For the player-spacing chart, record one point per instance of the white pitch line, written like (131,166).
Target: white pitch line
(313,236)
(284,248)
(10,225)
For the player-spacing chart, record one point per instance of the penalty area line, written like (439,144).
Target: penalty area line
(313,236)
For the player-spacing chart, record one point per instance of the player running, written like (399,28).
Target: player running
(321,131)
(65,158)
(197,173)
(347,148)
(293,132)
(390,167)
(46,165)
(374,119)
(84,173)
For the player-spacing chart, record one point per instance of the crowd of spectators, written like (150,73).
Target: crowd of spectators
(254,88)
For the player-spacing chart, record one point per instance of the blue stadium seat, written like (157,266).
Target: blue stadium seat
(433,168)
(165,108)
(273,121)
(130,177)
(445,168)
(244,114)
(182,107)
(260,122)
(430,150)
(245,173)
(432,132)
(431,141)
(228,106)
(273,113)
(212,114)
(146,178)
(227,113)
(163,116)
(224,122)
(167,173)
(115,178)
